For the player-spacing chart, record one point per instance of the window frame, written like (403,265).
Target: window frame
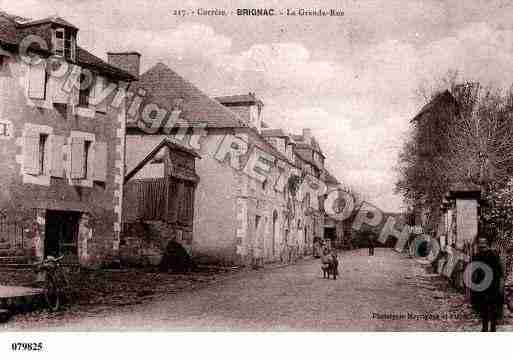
(43,155)
(35,175)
(64,46)
(84,94)
(87,137)
(88,147)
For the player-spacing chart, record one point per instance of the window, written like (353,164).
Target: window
(83,96)
(307,200)
(257,221)
(43,140)
(87,158)
(36,154)
(64,43)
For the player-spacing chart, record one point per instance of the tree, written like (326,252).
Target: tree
(469,144)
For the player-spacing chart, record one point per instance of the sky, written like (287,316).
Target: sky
(353,79)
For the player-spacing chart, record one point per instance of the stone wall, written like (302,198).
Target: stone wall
(100,200)
(144,243)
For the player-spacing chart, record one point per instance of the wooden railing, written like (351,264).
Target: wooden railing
(11,234)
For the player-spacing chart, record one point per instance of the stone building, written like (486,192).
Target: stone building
(242,212)
(62,115)
(333,229)
(304,151)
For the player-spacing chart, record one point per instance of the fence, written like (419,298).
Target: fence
(11,234)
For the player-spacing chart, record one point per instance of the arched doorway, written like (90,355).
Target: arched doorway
(275,231)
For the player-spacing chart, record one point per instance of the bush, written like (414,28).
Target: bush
(176,259)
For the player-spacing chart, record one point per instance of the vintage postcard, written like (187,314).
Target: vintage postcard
(255,166)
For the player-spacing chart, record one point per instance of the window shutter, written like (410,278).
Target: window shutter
(37,81)
(57,162)
(77,157)
(190,203)
(58,94)
(100,161)
(31,154)
(172,200)
(182,209)
(99,85)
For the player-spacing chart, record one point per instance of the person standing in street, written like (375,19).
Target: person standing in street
(487,289)
(370,242)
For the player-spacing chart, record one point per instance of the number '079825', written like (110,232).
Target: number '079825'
(34,347)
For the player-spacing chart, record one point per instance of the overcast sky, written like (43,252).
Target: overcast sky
(351,79)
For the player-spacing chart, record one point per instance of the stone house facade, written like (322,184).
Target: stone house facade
(61,145)
(243,212)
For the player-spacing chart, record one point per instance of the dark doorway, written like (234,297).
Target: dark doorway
(275,232)
(61,234)
(330,233)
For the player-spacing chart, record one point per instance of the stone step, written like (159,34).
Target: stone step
(14,260)
(12,252)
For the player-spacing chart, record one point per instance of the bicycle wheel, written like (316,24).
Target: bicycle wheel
(52,295)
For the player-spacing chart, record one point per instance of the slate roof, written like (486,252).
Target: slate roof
(440,99)
(12,32)
(165,87)
(330,179)
(301,143)
(87,59)
(303,158)
(269,148)
(238,99)
(7,29)
(52,19)
(276,132)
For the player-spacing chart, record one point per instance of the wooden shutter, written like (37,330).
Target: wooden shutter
(189,190)
(99,85)
(58,94)
(77,157)
(57,162)
(37,81)
(172,200)
(182,209)
(31,154)
(100,161)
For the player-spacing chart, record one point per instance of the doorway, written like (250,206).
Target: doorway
(330,233)
(275,231)
(307,245)
(61,234)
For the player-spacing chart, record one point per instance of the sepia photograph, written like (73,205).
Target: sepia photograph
(308,167)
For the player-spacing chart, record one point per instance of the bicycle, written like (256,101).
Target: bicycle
(55,283)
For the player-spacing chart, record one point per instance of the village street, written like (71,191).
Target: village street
(294,297)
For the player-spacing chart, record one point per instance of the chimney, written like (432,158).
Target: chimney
(127,61)
(307,134)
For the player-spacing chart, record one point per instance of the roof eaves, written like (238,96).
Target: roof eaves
(156,149)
